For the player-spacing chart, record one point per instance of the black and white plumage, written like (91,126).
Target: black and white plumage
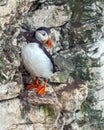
(37,60)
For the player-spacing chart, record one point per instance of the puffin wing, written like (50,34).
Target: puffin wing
(55,67)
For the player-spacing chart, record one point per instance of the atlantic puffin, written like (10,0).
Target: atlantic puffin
(37,60)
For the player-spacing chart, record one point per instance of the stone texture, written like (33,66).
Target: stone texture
(33,111)
(50,16)
(11,114)
(60,108)
(10,10)
(72,95)
(50,98)
(17,116)
(9,91)
(99,73)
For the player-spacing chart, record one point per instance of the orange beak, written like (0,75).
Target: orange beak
(50,42)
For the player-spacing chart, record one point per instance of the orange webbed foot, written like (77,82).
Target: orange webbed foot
(42,90)
(32,86)
(36,85)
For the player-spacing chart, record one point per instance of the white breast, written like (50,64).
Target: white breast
(36,61)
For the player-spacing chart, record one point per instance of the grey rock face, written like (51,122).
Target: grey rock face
(9,91)
(60,108)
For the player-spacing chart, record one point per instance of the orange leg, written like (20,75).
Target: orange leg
(42,89)
(36,85)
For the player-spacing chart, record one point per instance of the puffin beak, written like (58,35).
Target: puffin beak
(44,41)
(50,42)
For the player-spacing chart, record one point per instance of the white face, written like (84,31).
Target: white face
(42,35)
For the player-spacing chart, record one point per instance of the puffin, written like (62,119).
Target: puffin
(37,60)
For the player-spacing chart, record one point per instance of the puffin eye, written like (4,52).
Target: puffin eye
(43,34)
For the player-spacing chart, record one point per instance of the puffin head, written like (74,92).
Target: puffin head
(42,34)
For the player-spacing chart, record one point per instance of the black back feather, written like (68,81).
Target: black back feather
(55,67)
